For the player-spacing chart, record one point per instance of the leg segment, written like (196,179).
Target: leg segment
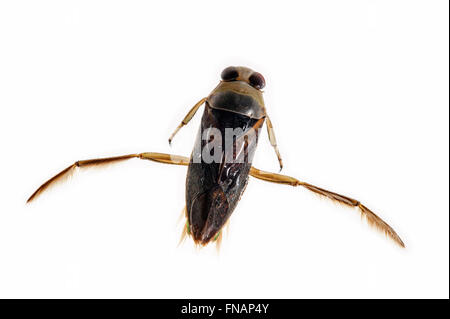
(156,157)
(187,118)
(372,219)
(273,140)
(165,158)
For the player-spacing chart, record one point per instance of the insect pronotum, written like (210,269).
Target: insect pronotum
(221,161)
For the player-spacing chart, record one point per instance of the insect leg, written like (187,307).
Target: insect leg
(156,157)
(372,219)
(187,118)
(273,140)
(165,158)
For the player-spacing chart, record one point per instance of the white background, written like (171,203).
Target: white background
(357,92)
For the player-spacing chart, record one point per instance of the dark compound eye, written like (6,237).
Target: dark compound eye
(229,74)
(257,81)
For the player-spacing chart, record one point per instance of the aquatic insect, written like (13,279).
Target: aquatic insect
(220,164)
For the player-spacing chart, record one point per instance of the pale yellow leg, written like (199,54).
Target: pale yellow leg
(273,140)
(187,118)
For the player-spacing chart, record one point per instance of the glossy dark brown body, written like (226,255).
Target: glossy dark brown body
(213,189)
